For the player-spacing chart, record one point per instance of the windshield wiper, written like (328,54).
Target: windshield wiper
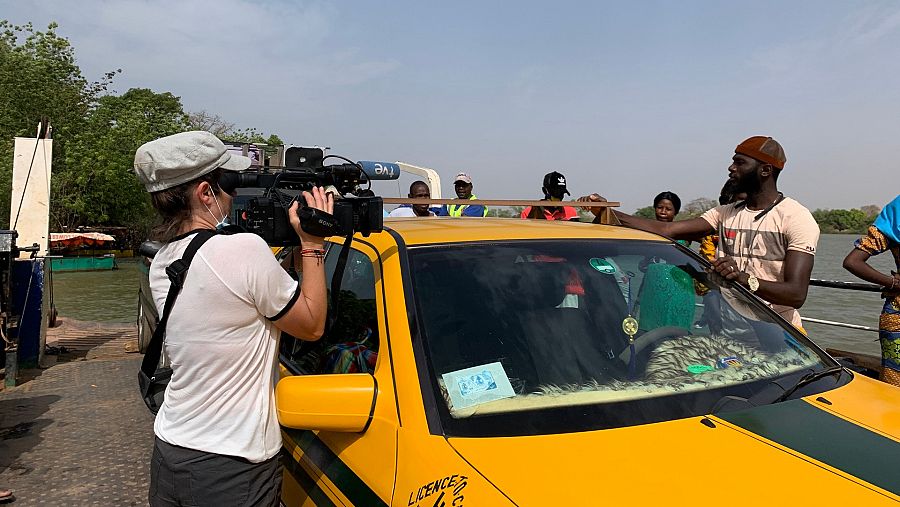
(810,378)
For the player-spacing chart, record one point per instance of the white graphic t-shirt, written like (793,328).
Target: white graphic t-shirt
(760,245)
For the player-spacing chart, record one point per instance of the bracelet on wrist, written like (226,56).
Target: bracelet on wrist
(313,253)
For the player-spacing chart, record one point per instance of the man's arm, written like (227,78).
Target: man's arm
(791,292)
(692,229)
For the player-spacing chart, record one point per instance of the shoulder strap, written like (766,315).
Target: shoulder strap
(177,272)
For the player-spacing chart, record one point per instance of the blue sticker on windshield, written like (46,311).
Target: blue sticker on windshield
(477,385)
(728,362)
(603,266)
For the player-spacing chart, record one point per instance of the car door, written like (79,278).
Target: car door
(332,468)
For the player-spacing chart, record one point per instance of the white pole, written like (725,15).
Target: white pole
(30,203)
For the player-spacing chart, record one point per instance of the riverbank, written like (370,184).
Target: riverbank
(92,340)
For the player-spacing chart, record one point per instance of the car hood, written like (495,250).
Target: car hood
(797,452)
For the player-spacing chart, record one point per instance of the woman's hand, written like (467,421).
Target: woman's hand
(318,199)
(892,289)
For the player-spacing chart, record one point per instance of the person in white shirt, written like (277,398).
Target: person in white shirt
(217,432)
(418,190)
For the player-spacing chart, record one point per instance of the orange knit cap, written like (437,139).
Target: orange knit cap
(762,148)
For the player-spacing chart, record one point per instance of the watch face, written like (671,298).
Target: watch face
(753,283)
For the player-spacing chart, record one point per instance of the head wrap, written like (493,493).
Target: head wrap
(888,221)
(762,148)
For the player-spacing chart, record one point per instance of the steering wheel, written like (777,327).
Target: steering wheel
(650,337)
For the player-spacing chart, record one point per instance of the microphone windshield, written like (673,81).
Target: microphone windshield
(380,170)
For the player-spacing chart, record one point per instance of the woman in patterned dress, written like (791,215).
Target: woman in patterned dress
(883,236)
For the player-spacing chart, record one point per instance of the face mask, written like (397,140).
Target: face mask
(224,222)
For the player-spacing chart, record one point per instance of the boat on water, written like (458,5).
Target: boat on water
(78,251)
(90,263)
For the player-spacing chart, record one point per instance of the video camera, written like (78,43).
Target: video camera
(356,209)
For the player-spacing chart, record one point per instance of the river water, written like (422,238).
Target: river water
(111,296)
(102,296)
(855,307)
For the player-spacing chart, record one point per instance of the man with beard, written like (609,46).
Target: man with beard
(463,186)
(709,245)
(767,242)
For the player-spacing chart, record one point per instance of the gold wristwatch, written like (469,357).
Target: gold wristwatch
(752,283)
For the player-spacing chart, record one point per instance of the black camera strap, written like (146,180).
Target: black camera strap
(336,281)
(177,272)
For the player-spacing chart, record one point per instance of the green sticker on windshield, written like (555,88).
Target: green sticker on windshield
(699,368)
(603,266)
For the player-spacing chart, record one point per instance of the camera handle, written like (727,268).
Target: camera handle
(317,222)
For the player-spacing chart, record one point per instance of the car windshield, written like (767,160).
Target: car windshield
(530,337)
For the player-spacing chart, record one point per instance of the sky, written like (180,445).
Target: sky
(626,99)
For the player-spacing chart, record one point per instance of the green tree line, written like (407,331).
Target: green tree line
(831,221)
(95,132)
(846,221)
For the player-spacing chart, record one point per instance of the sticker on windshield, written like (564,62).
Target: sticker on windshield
(728,362)
(603,266)
(477,385)
(697,369)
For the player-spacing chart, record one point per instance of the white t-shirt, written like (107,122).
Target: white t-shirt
(223,346)
(406,211)
(760,246)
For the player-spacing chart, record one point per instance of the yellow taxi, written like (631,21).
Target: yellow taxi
(506,362)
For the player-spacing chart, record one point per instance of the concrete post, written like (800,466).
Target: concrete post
(30,203)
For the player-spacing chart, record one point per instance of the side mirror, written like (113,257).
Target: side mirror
(342,402)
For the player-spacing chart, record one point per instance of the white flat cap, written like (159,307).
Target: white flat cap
(172,160)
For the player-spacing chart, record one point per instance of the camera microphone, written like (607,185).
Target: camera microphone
(379,170)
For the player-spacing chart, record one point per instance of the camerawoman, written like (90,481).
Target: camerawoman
(217,432)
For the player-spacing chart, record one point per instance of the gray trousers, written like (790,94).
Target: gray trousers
(189,478)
